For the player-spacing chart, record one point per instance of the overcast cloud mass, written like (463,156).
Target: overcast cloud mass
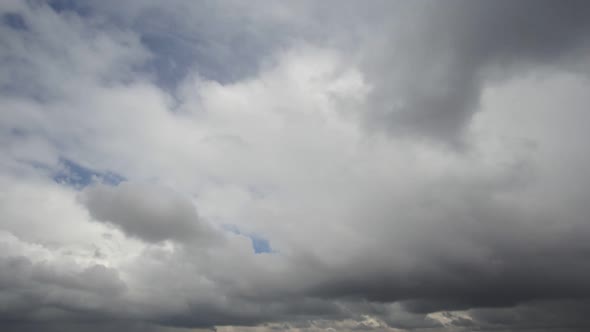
(302,166)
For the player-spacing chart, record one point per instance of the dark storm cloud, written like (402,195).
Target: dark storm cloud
(42,291)
(561,315)
(429,84)
(476,253)
(147,212)
(504,278)
(483,255)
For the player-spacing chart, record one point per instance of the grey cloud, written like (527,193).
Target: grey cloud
(43,291)
(428,82)
(561,315)
(465,263)
(427,61)
(34,58)
(465,234)
(91,326)
(148,212)
(96,278)
(224,42)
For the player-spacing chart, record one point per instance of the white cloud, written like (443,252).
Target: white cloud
(357,218)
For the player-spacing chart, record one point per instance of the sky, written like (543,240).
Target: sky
(301,166)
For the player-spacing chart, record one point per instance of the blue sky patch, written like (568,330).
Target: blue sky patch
(260,245)
(75,175)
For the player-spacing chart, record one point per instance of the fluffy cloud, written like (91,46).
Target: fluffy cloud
(152,214)
(422,170)
(429,81)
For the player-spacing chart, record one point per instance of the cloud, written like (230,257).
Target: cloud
(428,81)
(36,289)
(133,134)
(149,213)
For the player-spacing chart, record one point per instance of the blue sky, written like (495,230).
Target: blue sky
(75,175)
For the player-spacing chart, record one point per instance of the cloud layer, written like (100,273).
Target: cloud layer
(264,166)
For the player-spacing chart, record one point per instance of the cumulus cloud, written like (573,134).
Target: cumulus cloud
(421,170)
(152,214)
(429,80)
